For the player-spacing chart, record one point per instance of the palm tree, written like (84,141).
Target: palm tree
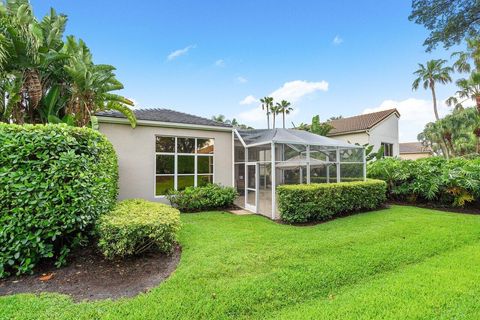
(284,107)
(275,111)
(267,104)
(469,90)
(462,64)
(91,86)
(430,74)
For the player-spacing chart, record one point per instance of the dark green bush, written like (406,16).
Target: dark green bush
(55,181)
(454,182)
(211,196)
(317,202)
(135,226)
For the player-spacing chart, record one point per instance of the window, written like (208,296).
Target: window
(182,162)
(387,149)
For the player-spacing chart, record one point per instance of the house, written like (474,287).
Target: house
(414,151)
(173,150)
(377,129)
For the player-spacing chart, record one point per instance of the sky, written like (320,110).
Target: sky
(207,57)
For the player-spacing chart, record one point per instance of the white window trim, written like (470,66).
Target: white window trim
(175,155)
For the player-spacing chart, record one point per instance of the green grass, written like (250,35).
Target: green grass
(400,263)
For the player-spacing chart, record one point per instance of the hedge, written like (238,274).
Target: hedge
(136,226)
(316,202)
(434,180)
(55,181)
(211,196)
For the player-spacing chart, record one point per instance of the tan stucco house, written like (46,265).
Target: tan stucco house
(414,151)
(377,129)
(173,150)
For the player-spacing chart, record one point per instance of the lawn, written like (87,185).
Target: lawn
(399,263)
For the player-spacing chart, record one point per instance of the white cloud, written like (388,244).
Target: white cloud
(414,115)
(241,79)
(220,63)
(337,40)
(249,100)
(293,91)
(180,52)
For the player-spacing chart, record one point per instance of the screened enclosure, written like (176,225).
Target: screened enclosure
(265,159)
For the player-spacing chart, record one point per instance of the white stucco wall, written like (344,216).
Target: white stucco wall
(136,156)
(386,131)
(360,138)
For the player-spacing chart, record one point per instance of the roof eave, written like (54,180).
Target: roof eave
(151,123)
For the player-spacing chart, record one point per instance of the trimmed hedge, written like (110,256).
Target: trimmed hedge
(211,196)
(55,180)
(316,202)
(435,180)
(137,225)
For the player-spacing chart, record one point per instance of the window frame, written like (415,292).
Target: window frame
(387,146)
(175,155)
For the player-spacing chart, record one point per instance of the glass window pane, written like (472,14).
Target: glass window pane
(203,180)
(289,152)
(163,184)
(239,152)
(186,164)
(204,164)
(185,181)
(205,146)
(240,178)
(186,145)
(164,144)
(251,176)
(323,153)
(165,164)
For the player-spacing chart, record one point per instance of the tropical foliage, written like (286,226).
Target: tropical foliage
(317,127)
(449,22)
(234,122)
(435,180)
(46,79)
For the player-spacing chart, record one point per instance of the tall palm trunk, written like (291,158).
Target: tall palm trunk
(434,96)
(274,120)
(268,118)
(283,119)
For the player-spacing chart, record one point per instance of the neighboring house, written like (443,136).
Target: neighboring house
(377,129)
(173,150)
(414,151)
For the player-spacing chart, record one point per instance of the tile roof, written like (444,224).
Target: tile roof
(359,123)
(166,115)
(414,147)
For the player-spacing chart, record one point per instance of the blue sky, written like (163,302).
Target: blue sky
(206,57)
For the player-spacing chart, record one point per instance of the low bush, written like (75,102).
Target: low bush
(317,202)
(135,226)
(211,196)
(55,181)
(454,182)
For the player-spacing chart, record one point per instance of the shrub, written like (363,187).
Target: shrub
(316,202)
(135,226)
(211,196)
(55,181)
(454,182)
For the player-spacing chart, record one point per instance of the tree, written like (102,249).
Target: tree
(222,119)
(463,62)
(317,127)
(430,74)
(284,107)
(449,21)
(275,110)
(267,104)
(43,79)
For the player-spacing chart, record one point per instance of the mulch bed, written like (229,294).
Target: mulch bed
(466,210)
(91,277)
